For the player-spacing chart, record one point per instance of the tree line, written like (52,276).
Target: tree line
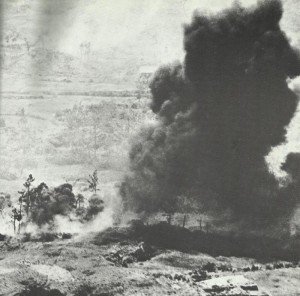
(40,204)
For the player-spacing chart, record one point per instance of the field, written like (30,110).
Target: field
(60,138)
(111,264)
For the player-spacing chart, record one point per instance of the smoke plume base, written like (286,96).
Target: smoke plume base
(58,210)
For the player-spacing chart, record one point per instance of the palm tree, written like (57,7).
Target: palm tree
(26,195)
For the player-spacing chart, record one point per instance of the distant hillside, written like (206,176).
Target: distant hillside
(18,56)
(47,38)
(28,63)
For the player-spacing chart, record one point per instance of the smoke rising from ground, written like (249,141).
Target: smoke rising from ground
(58,210)
(219,115)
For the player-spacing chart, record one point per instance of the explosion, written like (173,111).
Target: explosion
(219,114)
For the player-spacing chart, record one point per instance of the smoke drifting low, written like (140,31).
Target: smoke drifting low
(219,114)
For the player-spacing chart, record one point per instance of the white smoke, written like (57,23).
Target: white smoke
(104,219)
(278,154)
(6,223)
(64,224)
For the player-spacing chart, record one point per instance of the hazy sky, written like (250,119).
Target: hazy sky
(107,23)
(151,25)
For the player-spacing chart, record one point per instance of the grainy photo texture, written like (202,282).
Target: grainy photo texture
(149,147)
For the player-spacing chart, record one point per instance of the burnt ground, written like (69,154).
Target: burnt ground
(138,261)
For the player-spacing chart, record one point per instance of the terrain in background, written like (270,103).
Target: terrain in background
(64,138)
(64,115)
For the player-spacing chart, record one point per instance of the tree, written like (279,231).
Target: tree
(40,206)
(5,201)
(93,181)
(169,207)
(181,204)
(26,195)
(64,199)
(17,216)
(79,200)
(185,206)
(22,198)
(188,204)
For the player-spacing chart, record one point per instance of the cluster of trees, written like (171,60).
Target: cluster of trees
(41,204)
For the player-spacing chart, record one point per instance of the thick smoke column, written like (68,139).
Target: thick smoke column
(219,114)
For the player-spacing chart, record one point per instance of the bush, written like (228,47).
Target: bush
(88,289)
(96,205)
(39,290)
(209,267)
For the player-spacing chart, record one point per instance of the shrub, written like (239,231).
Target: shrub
(39,290)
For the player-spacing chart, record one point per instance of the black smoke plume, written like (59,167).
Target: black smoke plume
(219,114)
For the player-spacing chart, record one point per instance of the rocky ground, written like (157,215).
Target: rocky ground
(95,265)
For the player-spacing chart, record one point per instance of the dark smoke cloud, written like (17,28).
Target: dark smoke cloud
(292,166)
(219,114)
